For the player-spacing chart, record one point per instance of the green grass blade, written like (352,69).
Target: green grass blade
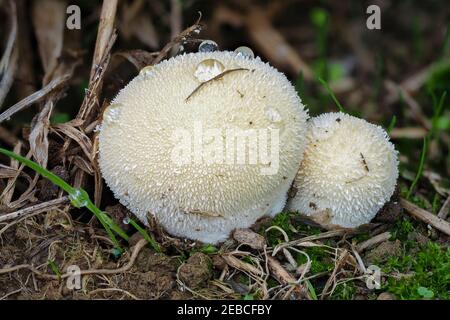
(78,197)
(114,227)
(111,235)
(437,106)
(54,268)
(146,236)
(311,290)
(330,92)
(43,172)
(421,166)
(391,124)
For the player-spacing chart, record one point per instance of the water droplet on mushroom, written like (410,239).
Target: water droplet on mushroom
(145,71)
(245,52)
(208,46)
(273,115)
(112,113)
(208,69)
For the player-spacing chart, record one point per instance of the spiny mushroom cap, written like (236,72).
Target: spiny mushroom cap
(198,200)
(349,170)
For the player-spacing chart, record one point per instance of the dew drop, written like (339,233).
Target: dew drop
(208,46)
(208,69)
(116,252)
(145,71)
(112,113)
(245,52)
(79,198)
(126,220)
(273,115)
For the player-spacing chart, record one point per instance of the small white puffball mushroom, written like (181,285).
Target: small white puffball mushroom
(171,143)
(349,170)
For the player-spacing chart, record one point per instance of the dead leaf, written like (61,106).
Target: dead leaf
(8,63)
(49,18)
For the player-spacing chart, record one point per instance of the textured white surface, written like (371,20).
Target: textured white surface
(198,200)
(349,167)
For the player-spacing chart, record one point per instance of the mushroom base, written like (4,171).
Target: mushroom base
(213,229)
(330,220)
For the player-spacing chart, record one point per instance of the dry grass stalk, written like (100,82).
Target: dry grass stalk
(408,132)
(265,36)
(35,97)
(415,108)
(27,195)
(286,279)
(8,192)
(332,279)
(382,237)
(68,129)
(37,208)
(106,37)
(139,58)
(236,263)
(41,122)
(323,235)
(183,36)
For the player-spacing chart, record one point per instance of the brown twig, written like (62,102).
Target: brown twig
(382,237)
(272,43)
(416,110)
(285,278)
(33,98)
(183,36)
(425,216)
(234,262)
(408,133)
(38,208)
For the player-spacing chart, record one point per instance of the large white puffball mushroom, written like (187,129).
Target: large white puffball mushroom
(206,142)
(349,170)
